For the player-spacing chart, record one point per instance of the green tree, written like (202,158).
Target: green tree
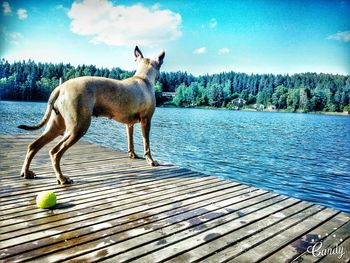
(125,75)
(251,99)
(262,98)
(293,96)
(68,73)
(244,94)
(279,97)
(179,98)
(227,92)
(304,100)
(215,95)
(192,93)
(158,90)
(6,88)
(202,98)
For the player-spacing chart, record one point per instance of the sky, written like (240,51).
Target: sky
(200,37)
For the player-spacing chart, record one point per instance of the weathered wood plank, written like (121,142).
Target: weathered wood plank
(163,236)
(342,255)
(298,247)
(127,176)
(48,178)
(213,250)
(330,241)
(277,242)
(214,229)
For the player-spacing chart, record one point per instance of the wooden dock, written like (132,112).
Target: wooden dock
(121,210)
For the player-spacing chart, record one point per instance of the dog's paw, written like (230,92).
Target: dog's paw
(133,156)
(64,180)
(28,175)
(154,163)
(150,161)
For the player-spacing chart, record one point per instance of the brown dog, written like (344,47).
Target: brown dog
(72,104)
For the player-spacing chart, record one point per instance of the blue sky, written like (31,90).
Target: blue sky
(198,36)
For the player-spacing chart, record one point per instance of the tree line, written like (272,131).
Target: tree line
(306,92)
(30,81)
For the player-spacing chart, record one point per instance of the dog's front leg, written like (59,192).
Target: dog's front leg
(130,132)
(146,127)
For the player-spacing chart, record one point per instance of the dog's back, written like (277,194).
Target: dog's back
(123,100)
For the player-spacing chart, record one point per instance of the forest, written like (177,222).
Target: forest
(304,92)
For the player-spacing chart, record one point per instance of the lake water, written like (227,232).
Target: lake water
(306,156)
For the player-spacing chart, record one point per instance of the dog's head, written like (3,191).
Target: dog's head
(146,64)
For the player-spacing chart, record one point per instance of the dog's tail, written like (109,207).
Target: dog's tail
(53,97)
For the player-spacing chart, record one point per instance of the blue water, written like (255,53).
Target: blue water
(306,156)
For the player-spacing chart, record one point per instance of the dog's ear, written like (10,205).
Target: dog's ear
(137,53)
(160,57)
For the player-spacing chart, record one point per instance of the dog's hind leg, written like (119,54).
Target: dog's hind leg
(57,152)
(71,136)
(130,132)
(146,128)
(53,129)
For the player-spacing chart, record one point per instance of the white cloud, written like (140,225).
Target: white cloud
(200,50)
(6,8)
(213,23)
(341,36)
(123,25)
(11,37)
(223,51)
(22,13)
(14,37)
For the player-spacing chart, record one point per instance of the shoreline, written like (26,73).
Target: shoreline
(344,113)
(334,113)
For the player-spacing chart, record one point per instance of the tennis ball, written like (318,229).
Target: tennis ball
(46,199)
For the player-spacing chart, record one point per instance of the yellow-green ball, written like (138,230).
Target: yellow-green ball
(46,199)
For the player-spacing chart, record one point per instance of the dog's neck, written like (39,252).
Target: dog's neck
(148,73)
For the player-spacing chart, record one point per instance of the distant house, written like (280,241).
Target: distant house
(238,101)
(168,95)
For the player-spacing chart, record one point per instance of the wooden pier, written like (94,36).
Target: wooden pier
(121,210)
